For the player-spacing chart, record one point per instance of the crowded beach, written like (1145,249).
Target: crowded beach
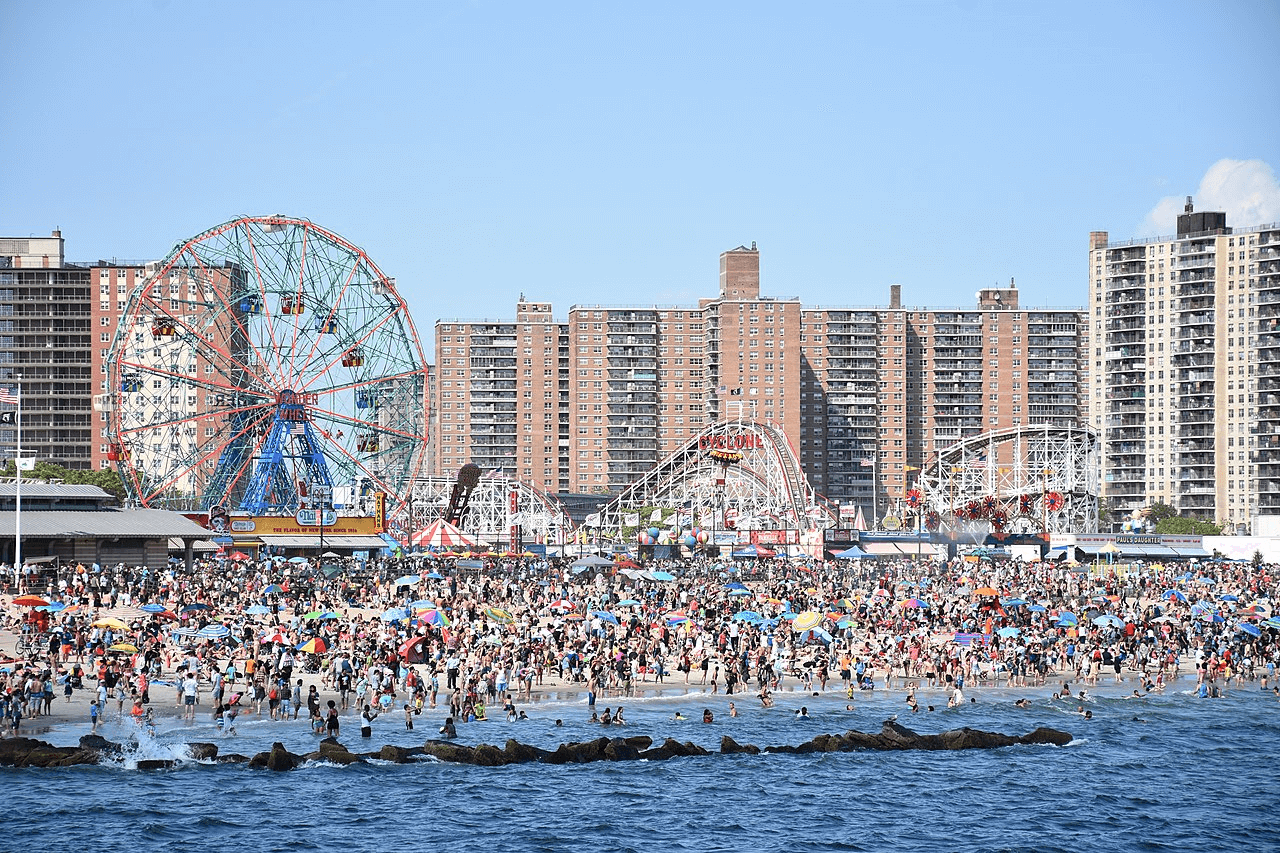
(279,639)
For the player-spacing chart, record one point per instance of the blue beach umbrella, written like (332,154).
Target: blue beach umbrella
(257,610)
(1175,595)
(605,616)
(151,608)
(739,593)
(1036,608)
(1108,620)
(747,616)
(628,602)
(213,632)
(393,614)
(1008,632)
(1068,618)
(1250,629)
(273,589)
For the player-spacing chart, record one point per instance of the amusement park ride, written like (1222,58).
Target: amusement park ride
(267,367)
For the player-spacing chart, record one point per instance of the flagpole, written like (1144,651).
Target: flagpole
(17,515)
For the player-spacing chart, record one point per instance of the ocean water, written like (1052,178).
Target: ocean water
(1167,772)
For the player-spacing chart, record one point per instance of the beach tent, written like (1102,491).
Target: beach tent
(442,534)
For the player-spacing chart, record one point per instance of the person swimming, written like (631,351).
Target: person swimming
(707,716)
(803,713)
(679,716)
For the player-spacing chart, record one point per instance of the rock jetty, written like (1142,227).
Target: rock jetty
(93,749)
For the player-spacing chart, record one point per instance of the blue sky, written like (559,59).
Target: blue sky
(607,153)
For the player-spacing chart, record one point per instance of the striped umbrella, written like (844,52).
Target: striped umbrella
(213,632)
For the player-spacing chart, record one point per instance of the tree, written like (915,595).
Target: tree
(1182,526)
(106,479)
(1160,511)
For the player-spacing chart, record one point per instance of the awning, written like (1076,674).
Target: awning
(1055,554)
(882,549)
(1198,553)
(354,542)
(1159,551)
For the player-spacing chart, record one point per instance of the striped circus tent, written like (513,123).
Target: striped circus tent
(442,535)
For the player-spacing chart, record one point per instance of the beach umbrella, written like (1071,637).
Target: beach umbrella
(1013,602)
(1175,595)
(239,555)
(663,576)
(574,617)
(314,614)
(1008,632)
(192,608)
(1108,620)
(845,623)
(406,580)
(846,604)
(738,593)
(816,633)
(314,646)
(563,604)
(123,648)
(497,614)
(806,620)
(1067,618)
(277,637)
(213,632)
(152,608)
(628,602)
(1272,623)
(30,601)
(257,610)
(1227,598)
(112,623)
(985,591)
(747,616)
(330,555)
(272,589)
(915,603)
(394,614)
(434,617)
(297,560)
(605,616)
(167,615)
(434,576)
(1251,630)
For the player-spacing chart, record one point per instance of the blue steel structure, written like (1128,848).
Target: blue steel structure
(291,462)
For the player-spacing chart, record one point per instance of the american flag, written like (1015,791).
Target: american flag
(9,394)
(299,429)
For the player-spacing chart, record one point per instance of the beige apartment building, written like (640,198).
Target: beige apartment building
(1185,368)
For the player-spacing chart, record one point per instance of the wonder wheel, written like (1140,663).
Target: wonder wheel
(267,365)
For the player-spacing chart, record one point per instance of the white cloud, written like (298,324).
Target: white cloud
(1246,189)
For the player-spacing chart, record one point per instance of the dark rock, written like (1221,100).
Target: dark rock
(521,753)
(202,751)
(729,746)
(486,755)
(101,744)
(619,750)
(641,742)
(444,750)
(335,753)
(967,738)
(259,759)
(1045,735)
(232,758)
(280,759)
(28,752)
(398,754)
(156,764)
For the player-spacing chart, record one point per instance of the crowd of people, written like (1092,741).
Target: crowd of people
(235,637)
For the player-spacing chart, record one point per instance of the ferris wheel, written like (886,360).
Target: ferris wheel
(267,366)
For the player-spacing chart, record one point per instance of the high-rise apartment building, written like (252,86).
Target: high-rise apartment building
(499,386)
(884,389)
(46,349)
(1185,368)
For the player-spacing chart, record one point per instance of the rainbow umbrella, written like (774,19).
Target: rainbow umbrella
(314,646)
(916,603)
(434,617)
